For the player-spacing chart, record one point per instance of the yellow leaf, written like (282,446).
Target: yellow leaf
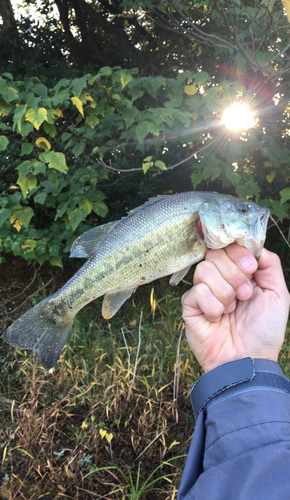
(58,112)
(29,244)
(14,187)
(16,222)
(194,115)
(102,432)
(68,472)
(42,142)
(36,117)
(89,97)
(190,89)
(270,177)
(109,437)
(286,5)
(78,104)
(84,426)
(268,164)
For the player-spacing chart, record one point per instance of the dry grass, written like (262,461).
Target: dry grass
(112,420)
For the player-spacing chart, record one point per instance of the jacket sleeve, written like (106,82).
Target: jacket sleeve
(240,448)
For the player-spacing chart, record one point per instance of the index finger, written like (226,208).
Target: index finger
(242,258)
(236,265)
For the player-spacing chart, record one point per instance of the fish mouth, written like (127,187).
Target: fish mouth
(256,236)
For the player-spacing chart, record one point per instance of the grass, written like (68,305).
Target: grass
(113,419)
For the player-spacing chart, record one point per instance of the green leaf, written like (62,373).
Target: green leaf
(3,142)
(40,198)
(78,148)
(76,217)
(23,169)
(29,183)
(285,195)
(125,78)
(65,136)
(86,205)
(160,164)
(100,208)
(141,130)
(78,85)
(40,89)
(105,71)
(19,112)
(39,167)
(54,160)
(156,82)
(201,78)
(146,166)
(55,261)
(5,214)
(26,148)
(8,93)
(136,93)
(5,108)
(24,215)
(49,129)
(26,128)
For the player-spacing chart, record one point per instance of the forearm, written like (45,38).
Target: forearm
(240,448)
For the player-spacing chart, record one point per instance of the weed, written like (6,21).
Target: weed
(104,419)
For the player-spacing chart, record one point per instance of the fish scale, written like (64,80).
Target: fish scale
(165,236)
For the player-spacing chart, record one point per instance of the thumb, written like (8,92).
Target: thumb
(269,275)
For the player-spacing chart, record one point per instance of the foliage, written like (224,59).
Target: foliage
(63,141)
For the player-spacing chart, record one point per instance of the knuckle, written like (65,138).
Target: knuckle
(202,269)
(218,311)
(227,295)
(276,259)
(214,254)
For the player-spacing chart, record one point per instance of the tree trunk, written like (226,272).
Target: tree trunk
(7,14)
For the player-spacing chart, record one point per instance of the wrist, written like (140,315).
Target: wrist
(236,377)
(208,366)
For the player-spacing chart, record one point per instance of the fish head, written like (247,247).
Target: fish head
(231,220)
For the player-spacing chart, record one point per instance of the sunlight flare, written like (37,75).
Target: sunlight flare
(238,117)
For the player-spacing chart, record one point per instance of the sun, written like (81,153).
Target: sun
(238,117)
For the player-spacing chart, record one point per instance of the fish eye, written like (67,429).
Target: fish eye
(244,208)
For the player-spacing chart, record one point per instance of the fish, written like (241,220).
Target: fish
(164,236)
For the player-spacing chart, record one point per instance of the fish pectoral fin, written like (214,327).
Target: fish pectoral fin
(177,277)
(113,301)
(85,245)
(186,248)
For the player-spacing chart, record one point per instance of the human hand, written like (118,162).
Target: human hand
(238,307)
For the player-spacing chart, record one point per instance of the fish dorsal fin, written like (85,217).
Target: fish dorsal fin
(85,245)
(149,203)
(177,277)
(113,301)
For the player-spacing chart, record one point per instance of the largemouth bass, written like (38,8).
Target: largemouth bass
(165,236)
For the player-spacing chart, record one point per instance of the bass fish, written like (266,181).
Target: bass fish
(165,236)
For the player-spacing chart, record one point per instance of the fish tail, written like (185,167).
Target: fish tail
(44,329)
